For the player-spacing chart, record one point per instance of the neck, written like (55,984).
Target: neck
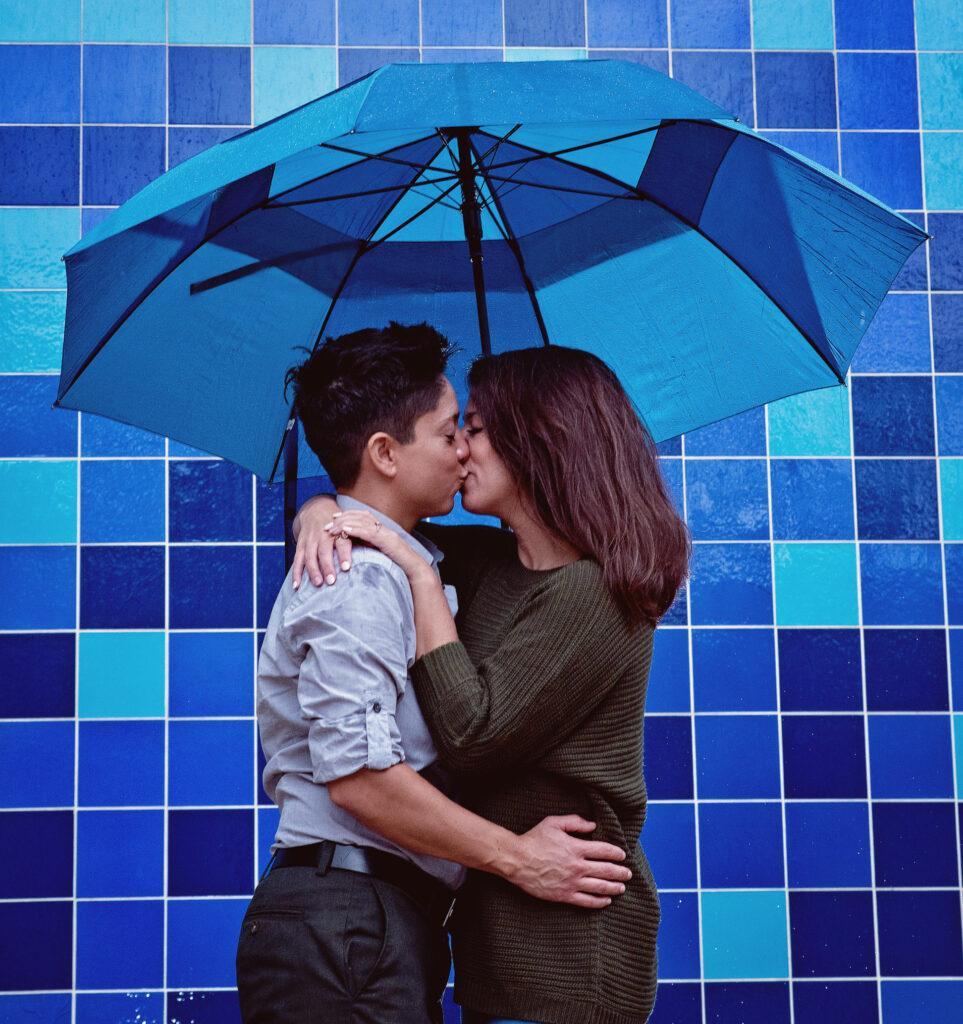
(385,502)
(538,547)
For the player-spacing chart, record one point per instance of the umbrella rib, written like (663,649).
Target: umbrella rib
(695,227)
(516,250)
(351,195)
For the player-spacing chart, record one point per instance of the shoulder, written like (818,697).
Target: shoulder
(577,594)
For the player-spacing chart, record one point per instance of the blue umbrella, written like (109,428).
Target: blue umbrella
(596,204)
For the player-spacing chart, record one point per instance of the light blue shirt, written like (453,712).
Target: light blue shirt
(334,696)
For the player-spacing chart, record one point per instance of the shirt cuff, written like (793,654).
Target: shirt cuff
(443,674)
(366,739)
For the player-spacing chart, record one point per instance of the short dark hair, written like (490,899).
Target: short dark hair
(352,386)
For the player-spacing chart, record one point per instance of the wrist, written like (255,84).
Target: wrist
(421,574)
(506,857)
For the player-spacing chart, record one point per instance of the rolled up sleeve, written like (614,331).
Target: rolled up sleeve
(353,671)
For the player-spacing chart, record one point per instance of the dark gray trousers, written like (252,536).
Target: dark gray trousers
(339,948)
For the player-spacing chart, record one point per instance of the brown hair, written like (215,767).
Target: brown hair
(569,435)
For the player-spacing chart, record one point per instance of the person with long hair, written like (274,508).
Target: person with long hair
(535,693)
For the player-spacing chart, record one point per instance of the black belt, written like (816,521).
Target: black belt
(432,896)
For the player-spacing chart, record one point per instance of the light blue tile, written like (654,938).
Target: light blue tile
(951,491)
(939,24)
(792,24)
(40,21)
(816,584)
(125,21)
(38,501)
(287,76)
(744,935)
(941,90)
(210,21)
(31,244)
(31,331)
(942,160)
(518,53)
(814,423)
(121,675)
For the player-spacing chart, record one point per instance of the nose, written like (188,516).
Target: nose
(461,445)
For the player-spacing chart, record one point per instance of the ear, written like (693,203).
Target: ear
(382,450)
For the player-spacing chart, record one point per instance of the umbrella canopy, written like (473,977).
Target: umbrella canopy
(596,204)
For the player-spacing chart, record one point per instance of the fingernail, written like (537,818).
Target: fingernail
(337,515)
(297,584)
(346,566)
(327,526)
(329,580)
(622,888)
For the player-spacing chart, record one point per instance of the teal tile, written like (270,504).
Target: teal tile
(210,21)
(939,24)
(121,675)
(125,21)
(31,331)
(287,76)
(792,24)
(40,21)
(38,501)
(31,244)
(814,423)
(744,935)
(941,90)
(515,53)
(942,160)
(816,584)
(951,494)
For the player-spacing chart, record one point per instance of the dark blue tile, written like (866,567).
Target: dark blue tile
(40,84)
(898,770)
(262,797)
(203,1007)
(878,90)
(820,147)
(228,773)
(795,90)
(658,60)
(744,434)
(270,510)
(819,670)
(717,24)
(668,840)
(919,934)
(29,426)
(827,844)
(628,23)
(210,853)
(356,63)
(812,499)
(210,588)
(270,577)
(120,944)
(913,275)
(209,500)
(724,78)
(451,23)
(677,1003)
(378,22)
(41,957)
(831,934)
(122,587)
(946,251)
(107,752)
(835,1002)
(37,587)
(37,675)
(183,143)
(750,1002)
(824,757)
(211,674)
(901,583)
(677,615)
(954,583)
(874,25)
(894,656)
(45,1008)
(727,499)
(886,165)
(734,670)
(38,854)
(896,499)
(124,84)
(949,414)
(898,338)
(98,1007)
(210,84)
(893,416)
(90,217)
(915,844)
(101,436)
(740,846)
(668,688)
(544,22)
(294,21)
(41,166)
(678,941)
(731,584)
(36,764)
(948,333)
(119,162)
(668,757)
(121,500)
(737,757)
(106,839)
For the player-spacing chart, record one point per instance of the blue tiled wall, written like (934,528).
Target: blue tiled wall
(802,747)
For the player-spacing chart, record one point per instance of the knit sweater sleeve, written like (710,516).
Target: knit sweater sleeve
(566,648)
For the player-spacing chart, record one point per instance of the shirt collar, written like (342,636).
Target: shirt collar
(429,551)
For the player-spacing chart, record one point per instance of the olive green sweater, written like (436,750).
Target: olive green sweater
(538,710)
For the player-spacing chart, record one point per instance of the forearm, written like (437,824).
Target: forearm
(434,623)
(403,807)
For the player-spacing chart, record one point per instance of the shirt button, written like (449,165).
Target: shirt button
(376,707)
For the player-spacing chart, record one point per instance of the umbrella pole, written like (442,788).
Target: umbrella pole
(471,218)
